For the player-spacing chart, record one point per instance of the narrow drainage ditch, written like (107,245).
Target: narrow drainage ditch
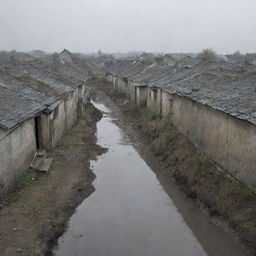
(129,214)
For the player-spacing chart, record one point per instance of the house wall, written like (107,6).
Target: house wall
(141,95)
(71,109)
(122,86)
(46,128)
(241,158)
(17,149)
(53,126)
(230,142)
(132,95)
(83,99)
(154,100)
(58,122)
(18,146)
(130,89)
(63,117)
(167,102)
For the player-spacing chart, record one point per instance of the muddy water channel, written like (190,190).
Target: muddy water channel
(129,214)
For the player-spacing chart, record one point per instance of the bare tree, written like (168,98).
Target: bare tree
(208,55)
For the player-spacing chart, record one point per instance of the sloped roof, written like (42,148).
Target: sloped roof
(151,73)
(134,69)
(117,67)
(17,106)
(48,79)
(227,91)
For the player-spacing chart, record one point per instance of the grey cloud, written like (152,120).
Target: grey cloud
(125,25)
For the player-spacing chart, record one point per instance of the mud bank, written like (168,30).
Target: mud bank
(210,187)
(35,213)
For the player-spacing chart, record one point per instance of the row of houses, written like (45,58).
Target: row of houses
(38,104)
(211,103)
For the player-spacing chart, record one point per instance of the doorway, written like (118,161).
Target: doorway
(38,132)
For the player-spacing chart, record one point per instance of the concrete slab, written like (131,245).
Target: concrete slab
(42,164)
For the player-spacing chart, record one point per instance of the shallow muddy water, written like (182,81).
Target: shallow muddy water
(129,214)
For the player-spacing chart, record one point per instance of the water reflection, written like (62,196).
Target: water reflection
(129,214)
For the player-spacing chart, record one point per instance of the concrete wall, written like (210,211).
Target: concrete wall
(132,94)
(122,86)
(17,149)
(230,142)
(18,146)
(58,122)
(141,95)
(63,117)
(154,100)
(241,150)
(53,126)
(71,109)
(167,102)
(46,129)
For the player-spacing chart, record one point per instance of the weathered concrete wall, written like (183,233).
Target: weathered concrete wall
(154,100)
(122,86)
(53,126)
(167,102)
(230,142)
(46,129)
(17,149)
(83,99)
(204,126)
(141,95)
(71,104)
(58,123)
(132,93)
(64,116)
(241,145)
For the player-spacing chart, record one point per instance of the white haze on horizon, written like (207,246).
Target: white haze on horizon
(128,25)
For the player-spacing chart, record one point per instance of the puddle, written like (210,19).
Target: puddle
(129,214)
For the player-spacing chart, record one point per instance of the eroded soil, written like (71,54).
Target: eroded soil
(35,213)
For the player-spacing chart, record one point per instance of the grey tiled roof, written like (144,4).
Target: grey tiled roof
(150,74)
(117,67)
(229,93)
(228,87)
(48,79)
(134,69)
(16,107)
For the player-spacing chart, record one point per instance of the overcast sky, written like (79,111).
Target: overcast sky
(128,25)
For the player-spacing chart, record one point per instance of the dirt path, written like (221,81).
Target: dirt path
(36,213)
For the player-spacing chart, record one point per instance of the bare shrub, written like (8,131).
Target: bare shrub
(208,55)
